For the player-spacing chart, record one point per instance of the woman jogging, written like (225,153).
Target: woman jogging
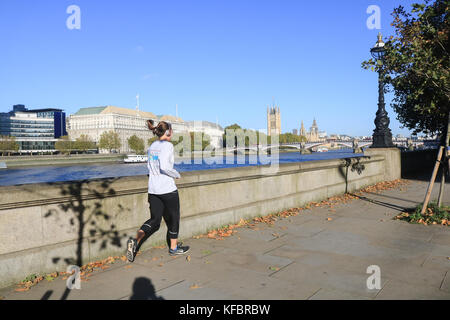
(162,193)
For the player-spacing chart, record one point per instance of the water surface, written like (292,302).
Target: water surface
(39,174)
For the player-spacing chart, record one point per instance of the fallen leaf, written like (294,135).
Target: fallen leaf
(22,289)
(274,268)
(194,286)
(188,258)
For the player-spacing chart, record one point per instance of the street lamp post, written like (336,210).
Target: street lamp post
(382,136)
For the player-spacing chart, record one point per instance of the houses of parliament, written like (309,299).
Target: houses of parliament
(274,125)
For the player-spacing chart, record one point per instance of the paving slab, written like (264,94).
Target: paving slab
(333,294)
(399,290)
(307,256)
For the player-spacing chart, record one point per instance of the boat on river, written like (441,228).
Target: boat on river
(135,158)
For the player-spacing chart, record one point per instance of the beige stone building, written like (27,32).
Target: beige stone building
(273,120)
(313,135)
(126,122)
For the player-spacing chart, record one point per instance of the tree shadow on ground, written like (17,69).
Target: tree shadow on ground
(143,289)
(83,201)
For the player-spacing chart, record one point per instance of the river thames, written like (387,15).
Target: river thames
(44,174)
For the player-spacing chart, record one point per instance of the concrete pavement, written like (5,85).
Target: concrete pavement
(321,253)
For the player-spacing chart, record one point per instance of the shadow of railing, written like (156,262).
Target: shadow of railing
(382,203)
(354,164)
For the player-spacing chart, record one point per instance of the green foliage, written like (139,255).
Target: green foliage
(8,144)
(193,141)
(84,143)
(31,277)
(151,140)
(291,138)
(252,137)
(416,66)
(242,136)
(433,215)
(199,141)
(64,145)
(136,144)
(109,140)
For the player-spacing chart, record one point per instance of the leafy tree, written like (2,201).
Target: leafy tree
(8,144)
(199,141)
(151,140)
(136,144)
(84,143)
(64,145)
(291,138)
(416,66)
(247,135)
(109,140)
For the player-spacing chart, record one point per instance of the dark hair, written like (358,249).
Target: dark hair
(160,129)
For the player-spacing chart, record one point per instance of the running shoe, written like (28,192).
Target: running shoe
(179,250)
(131,249)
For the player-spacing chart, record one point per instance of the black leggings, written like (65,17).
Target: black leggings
(165,206)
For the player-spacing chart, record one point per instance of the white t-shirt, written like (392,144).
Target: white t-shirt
(160,168)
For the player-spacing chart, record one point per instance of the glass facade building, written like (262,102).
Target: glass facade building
(34,130)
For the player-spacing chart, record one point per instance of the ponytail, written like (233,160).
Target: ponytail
(160,129)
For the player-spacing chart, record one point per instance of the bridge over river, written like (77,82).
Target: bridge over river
(327,144)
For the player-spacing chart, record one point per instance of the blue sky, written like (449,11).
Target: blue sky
(216,59)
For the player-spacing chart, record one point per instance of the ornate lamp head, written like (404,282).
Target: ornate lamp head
(378,49)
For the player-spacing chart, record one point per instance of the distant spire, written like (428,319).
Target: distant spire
(176,110)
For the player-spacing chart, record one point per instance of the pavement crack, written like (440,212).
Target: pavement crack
(173,284)
(442,282)
(281,269)
(387,281)
(273,249)
(313,294)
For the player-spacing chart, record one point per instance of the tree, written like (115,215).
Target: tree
(136,144)
(109,140)
(8,144)
(291,138)
(84,143)
(247,135)
(151,140)
(199,141)
(416,66)
(64,145)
